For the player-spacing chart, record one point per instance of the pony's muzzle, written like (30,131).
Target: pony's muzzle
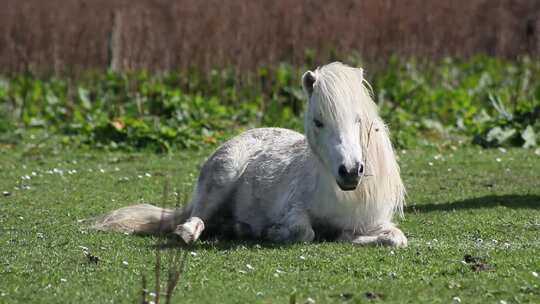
(349,178)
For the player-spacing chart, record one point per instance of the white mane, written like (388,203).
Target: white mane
(381,193)
(340,88)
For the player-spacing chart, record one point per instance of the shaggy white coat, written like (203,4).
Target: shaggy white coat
(280,185)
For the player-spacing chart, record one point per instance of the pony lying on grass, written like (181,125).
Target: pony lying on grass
(340,181)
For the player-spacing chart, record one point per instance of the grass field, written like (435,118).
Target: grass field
(473,223)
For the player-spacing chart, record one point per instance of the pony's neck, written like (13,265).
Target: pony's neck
(325,180)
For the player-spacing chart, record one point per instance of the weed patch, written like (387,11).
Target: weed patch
(483,100)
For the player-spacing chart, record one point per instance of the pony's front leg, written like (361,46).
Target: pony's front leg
(191,230)
(295,227)
(387,236)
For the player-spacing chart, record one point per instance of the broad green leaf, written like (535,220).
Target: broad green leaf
(499,135)
(529,137)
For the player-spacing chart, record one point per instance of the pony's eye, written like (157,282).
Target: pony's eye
(318,123)
(357,120)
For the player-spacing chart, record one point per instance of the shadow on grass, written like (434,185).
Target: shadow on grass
(489,201)
(216,243)
(226,242)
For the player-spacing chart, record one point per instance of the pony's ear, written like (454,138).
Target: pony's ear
(308,81)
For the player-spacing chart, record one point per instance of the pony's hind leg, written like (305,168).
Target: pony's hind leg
(294,227)
(216,182)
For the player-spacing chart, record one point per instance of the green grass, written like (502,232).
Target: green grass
(464,203)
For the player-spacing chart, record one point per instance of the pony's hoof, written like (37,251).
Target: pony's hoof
(295,234)
(276,234)
(191,230)
(302,234)
(242,230)
(392,237)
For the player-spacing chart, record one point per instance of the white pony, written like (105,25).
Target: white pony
(339,181)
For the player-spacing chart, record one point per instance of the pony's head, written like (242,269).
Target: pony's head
(339,107)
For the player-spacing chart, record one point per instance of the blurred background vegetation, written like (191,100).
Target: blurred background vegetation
(183,74)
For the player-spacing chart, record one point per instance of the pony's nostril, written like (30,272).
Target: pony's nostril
(342,171)
(351,174)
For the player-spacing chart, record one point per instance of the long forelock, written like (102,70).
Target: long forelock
(341,90)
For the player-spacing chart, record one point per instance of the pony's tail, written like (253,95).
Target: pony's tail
(140,219)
